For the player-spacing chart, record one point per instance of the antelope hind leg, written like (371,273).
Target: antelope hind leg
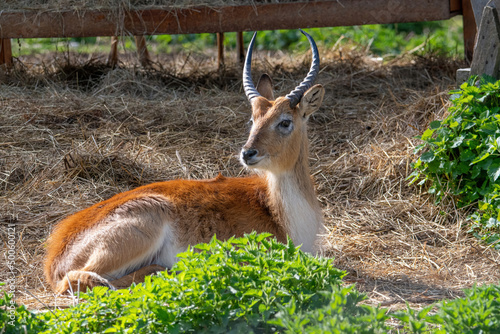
(105,255)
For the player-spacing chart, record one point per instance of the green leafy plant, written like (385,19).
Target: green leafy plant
(16,318)
(235,285)
(342,314)
(477,312)
(249,285)
(462,155)
(415,321)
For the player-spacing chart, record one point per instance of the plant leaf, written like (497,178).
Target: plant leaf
(458,141)
(467,155)
(427,156)
(480,158)
(494,171)
(427,134)
(489,128)
(435,125)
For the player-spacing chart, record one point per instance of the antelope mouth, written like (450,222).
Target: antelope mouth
(251,162)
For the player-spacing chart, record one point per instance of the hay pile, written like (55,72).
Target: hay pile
(76,132)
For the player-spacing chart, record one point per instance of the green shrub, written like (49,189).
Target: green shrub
(237,285)
(342,315)
(16,318)
(249,285)
(462,155)
(478,312)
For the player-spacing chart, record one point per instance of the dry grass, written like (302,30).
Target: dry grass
(76,132)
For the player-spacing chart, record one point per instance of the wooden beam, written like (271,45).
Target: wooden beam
(142,51)
(477,8)
(470,29)
(456,6)
(220,49)
(5,52)
(113,53)
(240,48)
(487,52)
(259,16)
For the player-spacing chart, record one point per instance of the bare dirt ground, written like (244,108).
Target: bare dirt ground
(74,132)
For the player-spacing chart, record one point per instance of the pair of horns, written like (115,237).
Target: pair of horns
(296,94)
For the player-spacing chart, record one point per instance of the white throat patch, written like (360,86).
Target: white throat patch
(303,221)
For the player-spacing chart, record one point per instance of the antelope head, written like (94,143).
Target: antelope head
(278,132)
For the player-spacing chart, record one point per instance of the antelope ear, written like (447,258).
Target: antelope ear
(311,101)
(265,87)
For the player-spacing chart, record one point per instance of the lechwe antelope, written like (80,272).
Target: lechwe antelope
(120,240)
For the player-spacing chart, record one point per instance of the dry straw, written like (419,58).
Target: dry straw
(75,132)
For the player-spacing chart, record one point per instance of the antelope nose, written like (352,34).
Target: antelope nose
(247,155)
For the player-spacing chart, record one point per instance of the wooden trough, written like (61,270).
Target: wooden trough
(254,15)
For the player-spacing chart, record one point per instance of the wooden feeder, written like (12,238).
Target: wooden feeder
(486,59)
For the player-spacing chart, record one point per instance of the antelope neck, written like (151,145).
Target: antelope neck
(293,200)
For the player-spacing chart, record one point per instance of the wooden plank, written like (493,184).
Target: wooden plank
(477,8)
(220,49)
(487,52)
(142,51)
(225,19)
(470,29)
(456,6)
(113,53)
(5,52)
(240,48)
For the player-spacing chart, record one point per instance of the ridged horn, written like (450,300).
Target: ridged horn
(250,90)
(299,91)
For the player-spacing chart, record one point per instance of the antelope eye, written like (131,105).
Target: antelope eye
(285,124)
